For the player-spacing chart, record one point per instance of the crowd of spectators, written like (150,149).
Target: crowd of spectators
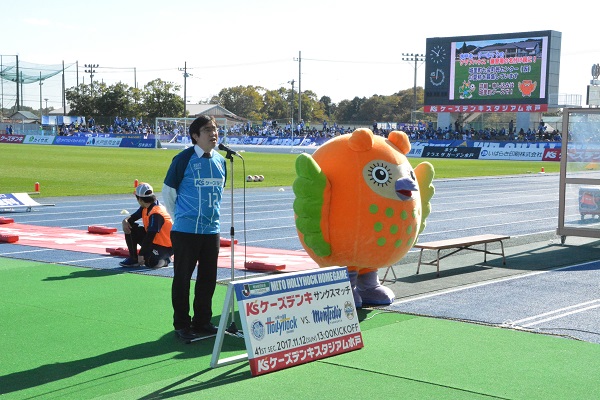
(492,134)
(417,131)
(120,126)
(273,128)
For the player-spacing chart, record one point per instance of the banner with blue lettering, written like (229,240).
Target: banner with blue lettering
(296,318)
(138,143)
(71,140)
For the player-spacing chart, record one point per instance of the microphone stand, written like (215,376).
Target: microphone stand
(232,329)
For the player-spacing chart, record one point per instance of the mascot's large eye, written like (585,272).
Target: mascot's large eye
(380,174)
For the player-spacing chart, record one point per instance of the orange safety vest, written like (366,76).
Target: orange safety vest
(163,237)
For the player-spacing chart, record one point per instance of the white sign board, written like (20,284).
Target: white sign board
(295,318)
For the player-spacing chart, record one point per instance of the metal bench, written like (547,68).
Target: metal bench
(463,243)
(459,244)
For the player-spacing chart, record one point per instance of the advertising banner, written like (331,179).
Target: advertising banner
(38,139)
(70,140)
(514,154)
(471,153)
(103,142)
(297,318)
(11,138)
(138,143)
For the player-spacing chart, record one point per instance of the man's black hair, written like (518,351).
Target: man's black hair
(198,124)
(148,199)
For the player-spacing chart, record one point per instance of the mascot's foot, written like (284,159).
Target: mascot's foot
(371,291)
(353,275)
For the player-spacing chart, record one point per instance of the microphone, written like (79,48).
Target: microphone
(228,150)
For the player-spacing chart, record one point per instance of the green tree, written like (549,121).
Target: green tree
(349,110)
(312,109)
(328,106)
(160,99)
(275,105)
(244,101)
(373,109)
(81,101)
(405,103)
(118,99)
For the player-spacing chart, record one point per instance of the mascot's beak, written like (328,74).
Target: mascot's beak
(404,188)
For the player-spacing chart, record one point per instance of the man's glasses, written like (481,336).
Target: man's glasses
(209,129)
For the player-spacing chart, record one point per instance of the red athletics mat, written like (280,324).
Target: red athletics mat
(78,240)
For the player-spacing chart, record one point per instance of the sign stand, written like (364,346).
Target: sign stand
(227,305)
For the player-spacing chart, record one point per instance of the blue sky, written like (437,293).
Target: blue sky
(348,48)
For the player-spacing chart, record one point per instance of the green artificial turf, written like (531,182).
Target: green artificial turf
(77,333)
(76,171)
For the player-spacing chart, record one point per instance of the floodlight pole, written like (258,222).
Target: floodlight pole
(292,111)
(185,76)
(416,58)
(91,71)
(299,59)
(64,90)
(21,81)
(41,112)
(2,92)
(17,76)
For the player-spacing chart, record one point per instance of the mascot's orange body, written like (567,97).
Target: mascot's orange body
(359,203)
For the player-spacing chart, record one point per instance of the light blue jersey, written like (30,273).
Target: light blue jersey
(199,191)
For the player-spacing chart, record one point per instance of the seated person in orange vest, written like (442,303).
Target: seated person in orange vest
(154,236)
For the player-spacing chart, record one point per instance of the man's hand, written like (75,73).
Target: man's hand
(126,226)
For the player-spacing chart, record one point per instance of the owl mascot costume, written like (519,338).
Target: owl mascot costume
(359,203)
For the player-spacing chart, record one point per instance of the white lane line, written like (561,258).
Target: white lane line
(84,259)
(467,287)
(559,313)
(26,251)
(461,288)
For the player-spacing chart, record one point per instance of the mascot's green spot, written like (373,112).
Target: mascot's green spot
(398,243)
(378,226)
(381,241)
(404,215)
(389,212)
(373,208)
(409,229)
(394,229)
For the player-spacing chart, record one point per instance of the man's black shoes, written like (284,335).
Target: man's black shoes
(186,334)
(205,329)
(197,331)
(129,262)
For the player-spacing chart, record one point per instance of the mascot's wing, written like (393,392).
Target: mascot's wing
(424,173)
(312,191)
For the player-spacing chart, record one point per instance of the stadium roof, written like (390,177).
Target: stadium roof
(25,116)
(215,110)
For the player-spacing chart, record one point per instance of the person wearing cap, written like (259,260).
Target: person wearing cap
(154,236)
(192,192)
